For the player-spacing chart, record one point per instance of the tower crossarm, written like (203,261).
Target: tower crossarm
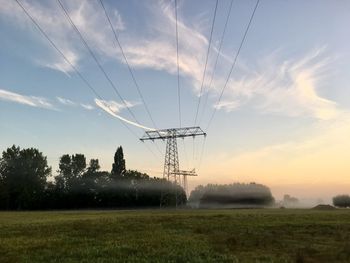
(186,173)
(172,133)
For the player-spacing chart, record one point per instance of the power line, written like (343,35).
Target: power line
(193,152)
(233,64)
(130,69)
(127,63)
(58,50)
(67,60)
(177,61)
(206,62)
(204,71)
(178,76)
(185,152)
(216,60)
(96,60)
(87,83)
(149,149)
(104,72)
(157,147)
(202,152)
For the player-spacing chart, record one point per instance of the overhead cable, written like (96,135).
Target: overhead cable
(233,64)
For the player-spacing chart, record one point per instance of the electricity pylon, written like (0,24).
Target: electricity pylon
(171,170)
(184,175)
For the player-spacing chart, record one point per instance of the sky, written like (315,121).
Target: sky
(283,119)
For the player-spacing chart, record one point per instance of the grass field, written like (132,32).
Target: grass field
(176,236)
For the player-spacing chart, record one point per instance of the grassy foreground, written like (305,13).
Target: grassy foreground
(176,236)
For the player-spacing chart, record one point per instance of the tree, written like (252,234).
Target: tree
(118,168)
(23,175)
(135,175)
(196,195)
(235,195)
(341,201)
(91,177)
(94,166)
(290,201)
(65,172)
(71,170)
(78,165)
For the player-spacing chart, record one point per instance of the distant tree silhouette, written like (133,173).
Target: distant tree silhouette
(196,195)
(290,201)
(231,195)
(133,174)
(65,175)
(92,175)
(78,165)
(94,166)
(118,167)
(23,175)
(341,201)
(71,169)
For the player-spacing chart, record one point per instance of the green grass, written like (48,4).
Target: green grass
(176,236)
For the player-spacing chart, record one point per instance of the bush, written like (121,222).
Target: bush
(232,195)
(341,201)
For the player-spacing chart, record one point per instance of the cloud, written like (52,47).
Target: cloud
(113,108)
(61,64)
(41,102)
(32,101)
(69,102)
(228,106)
(155,49)
(87,15)
(290,87)
(87,106)
(50,19)
(65,101)
(158,51)
(274,86)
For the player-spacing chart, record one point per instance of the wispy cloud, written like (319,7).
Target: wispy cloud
(60,64)
(65,101)
(113,108)
(32,101)
(87,15)
(155,50)
(45,103)
(68,102)
(49,18)
(158,51)
(290,87)
(87,106)
(228,106)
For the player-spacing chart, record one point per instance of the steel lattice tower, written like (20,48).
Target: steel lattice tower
(171,170)
(171,162)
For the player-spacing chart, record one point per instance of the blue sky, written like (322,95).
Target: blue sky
(288,95)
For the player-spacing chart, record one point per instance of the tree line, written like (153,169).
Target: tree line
(26,183)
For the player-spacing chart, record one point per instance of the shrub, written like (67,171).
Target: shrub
(233,195)
(341,201)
